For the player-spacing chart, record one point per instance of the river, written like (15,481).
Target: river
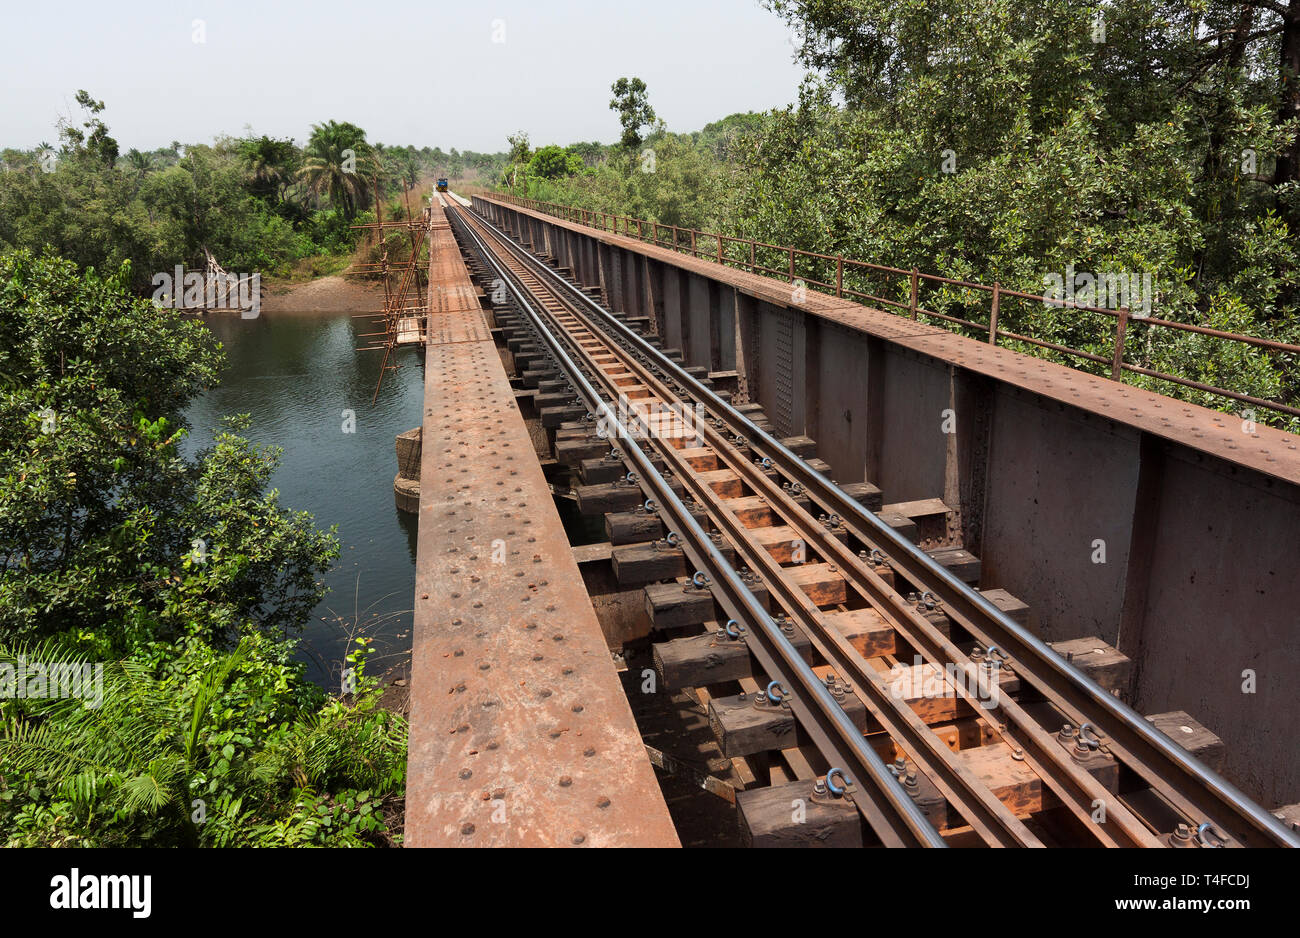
(296,374)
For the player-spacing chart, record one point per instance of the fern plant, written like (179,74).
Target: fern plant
(190,759)
(127,757)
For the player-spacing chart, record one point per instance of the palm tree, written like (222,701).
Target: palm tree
(329,168)
(139,165)
(272,165)
(411,166)
(43,152)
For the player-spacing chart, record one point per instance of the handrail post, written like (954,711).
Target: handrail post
(752,266)
(993,317)
(916,285)
(694,253)
(1117,362)
(791,250)
(839,275)
(719,237)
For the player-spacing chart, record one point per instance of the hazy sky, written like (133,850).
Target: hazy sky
(408,72)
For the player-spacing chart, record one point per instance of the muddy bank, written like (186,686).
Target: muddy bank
(327,295)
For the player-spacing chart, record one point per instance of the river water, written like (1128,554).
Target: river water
(296,374)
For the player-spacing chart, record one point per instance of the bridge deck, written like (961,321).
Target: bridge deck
(520,731)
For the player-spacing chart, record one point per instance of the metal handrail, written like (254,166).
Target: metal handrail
(650,231)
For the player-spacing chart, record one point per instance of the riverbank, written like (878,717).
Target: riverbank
(332,294)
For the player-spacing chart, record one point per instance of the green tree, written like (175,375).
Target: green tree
(520,153)
(152,210)
(204,201)
(552,162)
(339,163)
(92,139)
(215,749)
(411,165)
(184,577)
(139,165)
(99,515)
(272,165)
(633,107)
(592,153)
(1012,142)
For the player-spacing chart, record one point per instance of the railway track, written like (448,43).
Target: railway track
(837,611)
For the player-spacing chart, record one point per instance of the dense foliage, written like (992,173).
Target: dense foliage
(185,578)
(259,203)
(1013,143)
(676,179)
(1010,142)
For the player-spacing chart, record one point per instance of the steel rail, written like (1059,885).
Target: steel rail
(983,810)
(986,813)
(1077,789)
(970,798)
(887,808)
(1201,794)
(791,665)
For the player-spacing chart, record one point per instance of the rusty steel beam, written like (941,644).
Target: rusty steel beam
(1122,316)
(520,732)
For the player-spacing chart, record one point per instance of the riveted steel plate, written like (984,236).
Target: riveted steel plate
(520,731)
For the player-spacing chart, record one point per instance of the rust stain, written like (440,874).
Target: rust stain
(507,626)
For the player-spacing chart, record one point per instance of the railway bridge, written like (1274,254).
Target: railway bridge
(697,545)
